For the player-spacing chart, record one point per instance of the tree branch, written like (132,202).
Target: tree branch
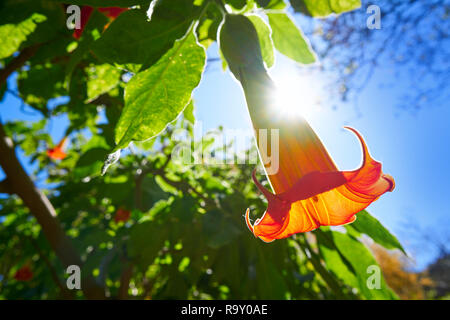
(5,187)
(18,62)
(125,278)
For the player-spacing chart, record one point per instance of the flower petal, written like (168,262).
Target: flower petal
(322,199)
(56,154)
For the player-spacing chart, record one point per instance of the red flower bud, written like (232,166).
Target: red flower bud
(122,215)
(24,274)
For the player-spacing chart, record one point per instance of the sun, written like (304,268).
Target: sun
(297,95)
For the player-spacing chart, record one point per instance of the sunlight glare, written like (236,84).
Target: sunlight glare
(297,95)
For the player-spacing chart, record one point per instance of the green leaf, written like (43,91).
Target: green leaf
(208,25)
(323,8)
(132,39)
(361,259)
(237,4)
(265,40)
(334,260)
(102,78)
(90,163)
(156,96)
(289,40)
(28,22)
(271,4)
(262,3)
(13,35)
(367,224)
(36,92)
(91,32)
(189,112)
(106,3)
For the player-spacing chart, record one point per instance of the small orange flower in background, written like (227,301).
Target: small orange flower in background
(57,153)
(309,190)
(122,215)
(24,274)
(86,11)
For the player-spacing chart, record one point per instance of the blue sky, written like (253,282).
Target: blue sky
(414,148)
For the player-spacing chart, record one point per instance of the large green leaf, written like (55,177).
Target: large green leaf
(156,96)
(265,40)
(367,224)
(132,39)
(13,35)
(334,260)
(289,40)
(322,8)
(361,259)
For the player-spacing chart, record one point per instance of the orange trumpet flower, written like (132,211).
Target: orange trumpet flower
(322,196)
(309,191)
(57,153)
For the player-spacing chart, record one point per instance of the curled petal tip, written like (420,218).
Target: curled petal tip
(247,220)
(350,128)
(391,181)
(366,154)
(356,132)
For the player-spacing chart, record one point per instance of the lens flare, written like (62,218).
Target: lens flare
(297,95)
